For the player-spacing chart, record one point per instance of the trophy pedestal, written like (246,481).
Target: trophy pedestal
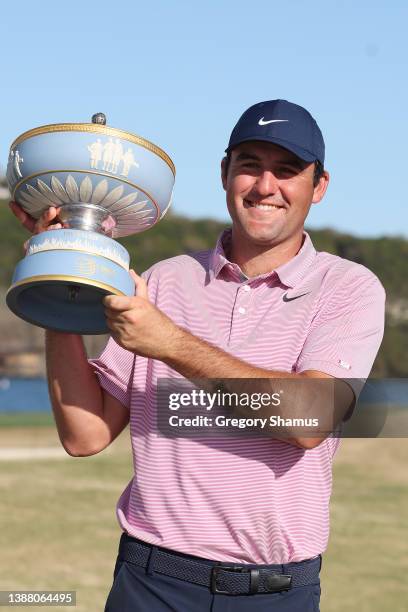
(65,292)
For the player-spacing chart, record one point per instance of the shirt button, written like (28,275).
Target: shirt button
(247,288)
(242,310)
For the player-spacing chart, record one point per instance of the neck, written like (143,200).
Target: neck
(257,259)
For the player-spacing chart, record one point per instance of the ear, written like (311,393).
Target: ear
(321,187)
(224,173)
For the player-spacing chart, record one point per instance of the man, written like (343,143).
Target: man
(262,305)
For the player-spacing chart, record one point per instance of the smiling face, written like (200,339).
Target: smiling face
(269,193)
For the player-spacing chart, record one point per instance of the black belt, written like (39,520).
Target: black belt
(225,578)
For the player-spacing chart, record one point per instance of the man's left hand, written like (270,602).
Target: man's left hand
(138,326)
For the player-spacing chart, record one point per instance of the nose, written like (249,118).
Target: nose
(267,183)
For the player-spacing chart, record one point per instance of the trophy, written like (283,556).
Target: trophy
(108,183)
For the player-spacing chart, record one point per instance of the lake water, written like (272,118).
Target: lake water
(24,395)
(31,394)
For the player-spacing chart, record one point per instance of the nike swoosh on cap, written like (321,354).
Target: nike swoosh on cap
(263,122)
(289,299)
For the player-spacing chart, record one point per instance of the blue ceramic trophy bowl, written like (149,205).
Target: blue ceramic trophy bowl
(107,183)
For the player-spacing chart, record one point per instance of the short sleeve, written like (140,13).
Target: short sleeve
(346,334)
(114,369)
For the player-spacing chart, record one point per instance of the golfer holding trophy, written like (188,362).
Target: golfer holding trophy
(219,524)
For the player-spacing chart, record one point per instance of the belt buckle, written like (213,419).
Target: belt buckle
(254,577)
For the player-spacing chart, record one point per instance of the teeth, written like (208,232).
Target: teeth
(265,206)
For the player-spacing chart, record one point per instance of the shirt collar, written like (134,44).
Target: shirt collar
(289,273)
(293,271)
(218,257)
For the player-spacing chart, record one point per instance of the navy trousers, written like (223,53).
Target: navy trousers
(137,589)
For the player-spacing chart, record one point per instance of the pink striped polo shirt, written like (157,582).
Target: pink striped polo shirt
(245,500)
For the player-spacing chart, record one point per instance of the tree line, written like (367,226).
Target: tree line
(386,256)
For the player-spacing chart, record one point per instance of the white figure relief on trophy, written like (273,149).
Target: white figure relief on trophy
(17,161)
(117,156)
(95,150)
(108,153)
(128,161)
(112,155)
(14,162)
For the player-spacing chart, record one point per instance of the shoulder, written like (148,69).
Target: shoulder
(340,271)
(340,275)
(179,265)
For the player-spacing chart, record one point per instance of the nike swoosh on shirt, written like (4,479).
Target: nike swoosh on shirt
(263,122)
(288,299)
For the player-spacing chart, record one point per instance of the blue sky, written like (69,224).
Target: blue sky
(181,73)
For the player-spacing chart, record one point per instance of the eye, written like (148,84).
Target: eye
(250,164)
(286,171)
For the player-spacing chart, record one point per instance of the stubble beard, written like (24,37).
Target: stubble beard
(254,234)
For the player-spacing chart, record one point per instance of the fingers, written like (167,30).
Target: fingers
(140,285)
(40,225)
(44,222)
(118,303)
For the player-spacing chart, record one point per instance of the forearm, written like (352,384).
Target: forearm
(301,397)
(140,327)
(196,358)
(75,393)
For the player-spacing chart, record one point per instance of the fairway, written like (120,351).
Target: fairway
(59,529)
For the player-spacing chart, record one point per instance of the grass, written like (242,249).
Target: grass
(60,517)
(26,419)
(366,563)
(60,530)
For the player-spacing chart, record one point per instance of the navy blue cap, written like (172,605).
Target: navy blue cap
(283,123)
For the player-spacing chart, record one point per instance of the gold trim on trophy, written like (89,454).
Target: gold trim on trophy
(98,129)
(71,279)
